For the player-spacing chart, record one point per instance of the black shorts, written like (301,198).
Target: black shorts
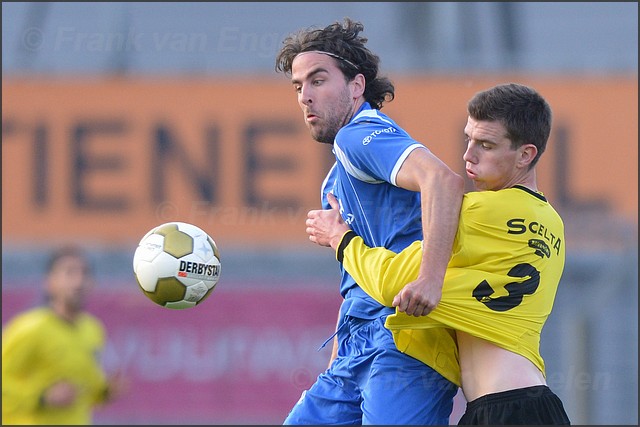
(522,406)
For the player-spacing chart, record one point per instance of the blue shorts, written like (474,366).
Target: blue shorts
(371,382)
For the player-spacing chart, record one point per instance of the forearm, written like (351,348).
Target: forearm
(441,191)
(440,215)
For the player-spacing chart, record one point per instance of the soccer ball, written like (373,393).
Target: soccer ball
(177,265)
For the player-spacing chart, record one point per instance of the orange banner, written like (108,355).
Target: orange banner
(107,160)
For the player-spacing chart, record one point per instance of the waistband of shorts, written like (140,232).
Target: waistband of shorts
(352,324)
(509,395)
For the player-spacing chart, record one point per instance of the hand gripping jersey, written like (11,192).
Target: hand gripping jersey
(500,283)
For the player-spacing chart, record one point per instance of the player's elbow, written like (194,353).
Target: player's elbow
(440,178)
(450,179)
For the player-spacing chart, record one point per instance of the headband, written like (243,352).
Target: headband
(333,55)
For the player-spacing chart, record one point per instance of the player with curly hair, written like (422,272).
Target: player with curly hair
(392,190)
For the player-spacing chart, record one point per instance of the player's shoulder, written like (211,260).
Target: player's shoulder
(370,115)
(367,127)
(30,319)
(371,118)
(91,320)
(508,202)
(495,201)
(506,195)
(480,198)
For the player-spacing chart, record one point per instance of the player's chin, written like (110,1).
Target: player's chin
(320,136)
(479,184)
(76,304)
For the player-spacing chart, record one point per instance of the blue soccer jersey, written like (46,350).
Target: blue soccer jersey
(370,381)
(369,152)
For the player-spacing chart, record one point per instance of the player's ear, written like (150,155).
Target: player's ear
(357,86)
(528,153)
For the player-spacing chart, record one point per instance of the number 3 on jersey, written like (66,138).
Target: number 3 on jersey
(516,290)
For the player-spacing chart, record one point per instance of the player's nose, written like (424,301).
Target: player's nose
(468,155)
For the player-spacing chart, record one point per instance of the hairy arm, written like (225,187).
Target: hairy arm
(441,192)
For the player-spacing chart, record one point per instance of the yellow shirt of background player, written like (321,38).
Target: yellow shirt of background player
(61,351)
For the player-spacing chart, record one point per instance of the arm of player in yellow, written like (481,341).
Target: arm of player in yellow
(22,384)
(381,273)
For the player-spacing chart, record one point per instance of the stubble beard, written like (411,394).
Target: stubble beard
(324,136)
(336,120)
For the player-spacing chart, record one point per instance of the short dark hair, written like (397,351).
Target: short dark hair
(342,42)
(524,113)
(68,250)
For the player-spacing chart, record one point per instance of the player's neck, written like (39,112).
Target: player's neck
(528,180)
(532,181)
(63,311)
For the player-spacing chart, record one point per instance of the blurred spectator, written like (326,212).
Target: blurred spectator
(51,370)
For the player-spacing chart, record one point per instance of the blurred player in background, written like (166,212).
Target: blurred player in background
(51,372)
(391,190)
(502,279)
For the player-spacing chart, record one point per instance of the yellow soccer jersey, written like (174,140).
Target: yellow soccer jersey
(501,281)
(38,349)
